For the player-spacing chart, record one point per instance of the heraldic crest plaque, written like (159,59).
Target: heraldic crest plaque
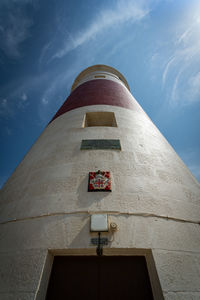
(99,181)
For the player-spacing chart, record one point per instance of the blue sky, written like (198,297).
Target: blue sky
(45,44)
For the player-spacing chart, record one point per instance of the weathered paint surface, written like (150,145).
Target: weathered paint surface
(154,202)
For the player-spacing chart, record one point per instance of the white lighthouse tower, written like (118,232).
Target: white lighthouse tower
(101,207)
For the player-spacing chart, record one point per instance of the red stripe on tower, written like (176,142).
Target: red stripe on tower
(97,92)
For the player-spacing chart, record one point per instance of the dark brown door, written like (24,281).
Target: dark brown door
(99,278)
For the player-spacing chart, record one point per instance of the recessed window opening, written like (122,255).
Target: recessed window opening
(99,76)
(99,118)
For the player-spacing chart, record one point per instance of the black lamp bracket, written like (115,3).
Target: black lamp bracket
(99,242)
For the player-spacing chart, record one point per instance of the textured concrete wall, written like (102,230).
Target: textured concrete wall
(154,201)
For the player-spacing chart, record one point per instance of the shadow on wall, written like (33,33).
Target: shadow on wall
(82,238)
(85,198)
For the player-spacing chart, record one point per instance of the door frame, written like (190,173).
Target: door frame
(147,253)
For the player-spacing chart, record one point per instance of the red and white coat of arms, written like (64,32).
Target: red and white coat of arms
(99,181)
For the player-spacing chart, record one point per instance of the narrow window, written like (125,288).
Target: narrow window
(99,76)
(100,118)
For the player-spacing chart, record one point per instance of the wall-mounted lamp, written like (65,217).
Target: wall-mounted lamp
(99,223)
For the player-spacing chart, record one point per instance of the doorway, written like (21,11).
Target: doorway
(99,278)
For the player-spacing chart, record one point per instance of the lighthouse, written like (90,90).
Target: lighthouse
(101,207)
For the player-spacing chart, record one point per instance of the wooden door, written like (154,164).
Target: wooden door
(99,278)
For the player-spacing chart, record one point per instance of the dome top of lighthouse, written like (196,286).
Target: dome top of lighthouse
(98,69)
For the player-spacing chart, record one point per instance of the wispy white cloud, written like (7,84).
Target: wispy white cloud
(182,65)
(10,106)
(17,92)
(23,101)
(50,92)
(194,87)
(175,89)
(24,97)
(14,26)
(45,101)
(55,93)
(167,67)
(124,11)
(4,103)
(5,109)
(44,51)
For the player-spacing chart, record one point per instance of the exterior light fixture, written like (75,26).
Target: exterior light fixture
(99,223)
